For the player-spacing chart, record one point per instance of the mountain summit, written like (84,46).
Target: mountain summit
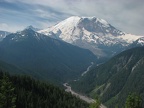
(91,33)
(33,28)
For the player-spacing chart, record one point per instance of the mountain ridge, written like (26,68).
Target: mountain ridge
(115,79)
(47,57)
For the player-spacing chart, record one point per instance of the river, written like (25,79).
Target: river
(87,69)
(82,97)
(85,98)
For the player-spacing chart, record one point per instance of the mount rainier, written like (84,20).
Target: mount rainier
(91,33)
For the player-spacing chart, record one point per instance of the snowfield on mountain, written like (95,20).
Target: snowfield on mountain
(91,33)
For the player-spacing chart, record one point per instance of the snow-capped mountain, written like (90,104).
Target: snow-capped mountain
(27,33)
(3,34)
(91,33)
(140,41)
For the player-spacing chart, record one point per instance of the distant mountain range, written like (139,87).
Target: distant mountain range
(115,79)
(92,33)
(44,57)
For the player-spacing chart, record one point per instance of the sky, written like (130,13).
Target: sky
(125,15)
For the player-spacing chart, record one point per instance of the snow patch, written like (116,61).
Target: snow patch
(105,23)
(136,65)
(129,37)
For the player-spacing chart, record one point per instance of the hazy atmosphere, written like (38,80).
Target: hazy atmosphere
(126,15)
(71,53)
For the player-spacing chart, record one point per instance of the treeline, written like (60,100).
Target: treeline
(25,92)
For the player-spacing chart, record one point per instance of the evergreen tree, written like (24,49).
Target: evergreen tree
(25,92)
(7,96)
(133,101)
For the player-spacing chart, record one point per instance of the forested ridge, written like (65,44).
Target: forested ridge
(44,57)
(114,80)
(26,92)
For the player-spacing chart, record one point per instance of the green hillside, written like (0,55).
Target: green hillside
(25,92)
(42,56)
(115,79)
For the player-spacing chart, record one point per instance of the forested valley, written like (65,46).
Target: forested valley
(26,92)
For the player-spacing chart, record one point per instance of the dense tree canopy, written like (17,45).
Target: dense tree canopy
(25,92)
(7,96)
(133,101)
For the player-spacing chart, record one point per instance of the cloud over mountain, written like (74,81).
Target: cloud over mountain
(126,15)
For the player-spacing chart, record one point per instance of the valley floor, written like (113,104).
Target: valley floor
(85,98)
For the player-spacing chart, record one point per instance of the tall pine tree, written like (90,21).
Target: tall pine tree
(133,101)
(7,96)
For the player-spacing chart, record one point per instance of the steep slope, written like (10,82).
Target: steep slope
(3,34)
(91,33)
(25,92)
(48,58)
(12,69)
(115,79)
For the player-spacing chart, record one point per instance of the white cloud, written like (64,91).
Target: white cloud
(10,28)
(126,15)
(3,26)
